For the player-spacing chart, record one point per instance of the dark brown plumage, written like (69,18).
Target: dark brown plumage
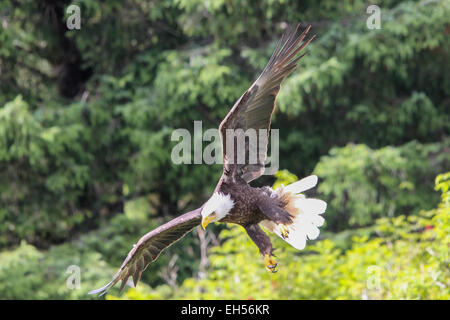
(244,205)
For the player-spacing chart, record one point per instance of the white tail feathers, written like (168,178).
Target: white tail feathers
(302,185)
(308,219)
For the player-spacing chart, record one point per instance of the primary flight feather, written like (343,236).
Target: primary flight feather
(284,211)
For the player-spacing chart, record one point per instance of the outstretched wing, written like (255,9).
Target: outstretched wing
(150,246)
(254,109)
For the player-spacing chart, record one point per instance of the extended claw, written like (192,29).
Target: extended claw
(284,231)
(270,263)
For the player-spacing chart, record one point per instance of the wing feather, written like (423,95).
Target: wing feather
(150,246)
(254,108)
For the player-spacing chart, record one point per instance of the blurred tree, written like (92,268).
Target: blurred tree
(361,184)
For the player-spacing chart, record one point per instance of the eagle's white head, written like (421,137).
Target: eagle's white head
(216,208)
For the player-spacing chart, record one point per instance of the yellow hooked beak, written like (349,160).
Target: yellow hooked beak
(208,219)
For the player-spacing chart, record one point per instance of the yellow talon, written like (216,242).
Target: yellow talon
(270,263)
(284,231)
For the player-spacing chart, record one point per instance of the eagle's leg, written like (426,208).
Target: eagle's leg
(277,212)
(284,231)
(262,240)
(270,263)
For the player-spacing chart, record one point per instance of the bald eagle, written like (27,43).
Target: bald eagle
(284,211)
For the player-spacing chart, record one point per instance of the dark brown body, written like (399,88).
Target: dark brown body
(251,206)
(245,208)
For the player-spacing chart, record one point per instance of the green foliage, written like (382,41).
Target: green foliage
(361,184)
(38,275)
(375,87)
(43,170)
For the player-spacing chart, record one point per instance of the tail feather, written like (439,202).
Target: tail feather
(311,205)
(302,185)
(306,211)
